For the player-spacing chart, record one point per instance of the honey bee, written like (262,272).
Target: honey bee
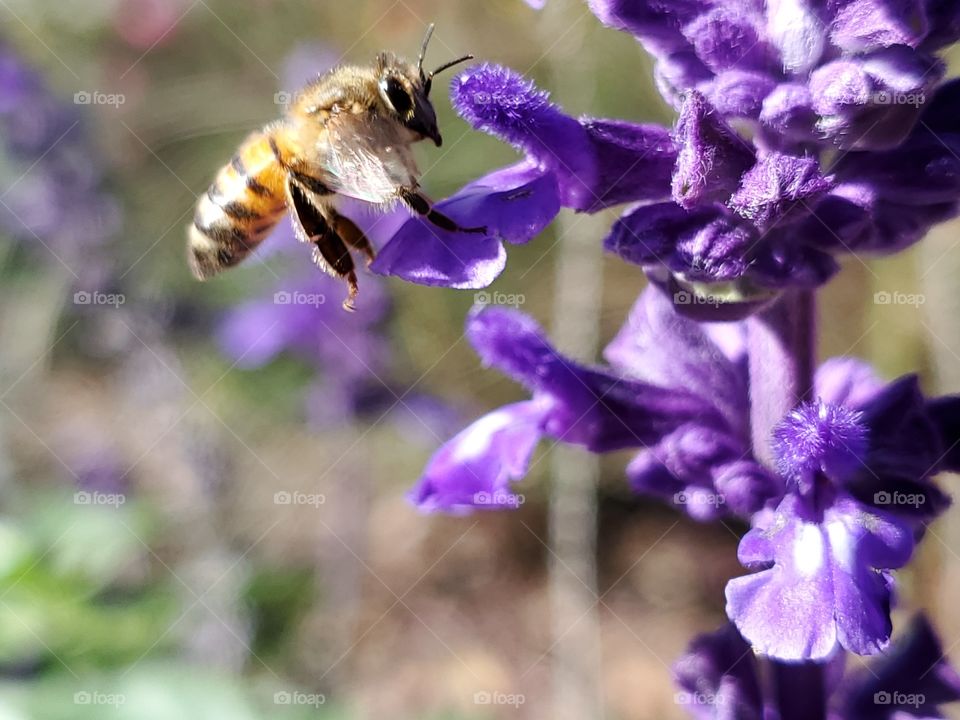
(348,133)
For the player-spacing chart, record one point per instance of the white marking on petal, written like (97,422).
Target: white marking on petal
(842,544)
(808,556)
(477,439)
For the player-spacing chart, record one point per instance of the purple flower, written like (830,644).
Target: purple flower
(719,676)
(585,164)
(859,471)
(822,580)
(730,216)
(597,408)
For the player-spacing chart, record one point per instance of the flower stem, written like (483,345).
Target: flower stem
(799,690)
(782,349)
(782,356)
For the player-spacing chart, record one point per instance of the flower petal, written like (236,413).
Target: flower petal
(597,163)
(474,469)
(822,589)
(704,244)
(730,36)
(659,346)
(779,189)
(712,156)
(591,407)
(865,25)
(514,204)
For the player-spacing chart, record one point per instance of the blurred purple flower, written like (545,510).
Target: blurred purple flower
(51,196)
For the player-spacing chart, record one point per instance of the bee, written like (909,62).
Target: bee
(348,133)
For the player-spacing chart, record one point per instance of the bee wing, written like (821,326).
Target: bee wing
(368,157)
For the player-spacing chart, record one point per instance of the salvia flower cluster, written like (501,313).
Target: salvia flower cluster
(805,131)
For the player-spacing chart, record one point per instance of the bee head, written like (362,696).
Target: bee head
(406,91)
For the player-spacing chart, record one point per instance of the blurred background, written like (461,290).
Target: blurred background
(202,485)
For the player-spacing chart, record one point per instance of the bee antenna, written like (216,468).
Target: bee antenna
(448,65)
(423,50)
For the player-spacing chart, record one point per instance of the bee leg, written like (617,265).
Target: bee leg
(353,236)
(331,255)
(315,225)
(419,203)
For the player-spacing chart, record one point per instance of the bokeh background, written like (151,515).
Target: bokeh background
(202,487)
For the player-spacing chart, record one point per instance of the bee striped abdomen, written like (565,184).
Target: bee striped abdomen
(242,206)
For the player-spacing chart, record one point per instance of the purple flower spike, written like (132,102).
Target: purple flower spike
(822,581)
(712,157)
(820,437)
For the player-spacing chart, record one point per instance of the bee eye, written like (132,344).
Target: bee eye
(397,95)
